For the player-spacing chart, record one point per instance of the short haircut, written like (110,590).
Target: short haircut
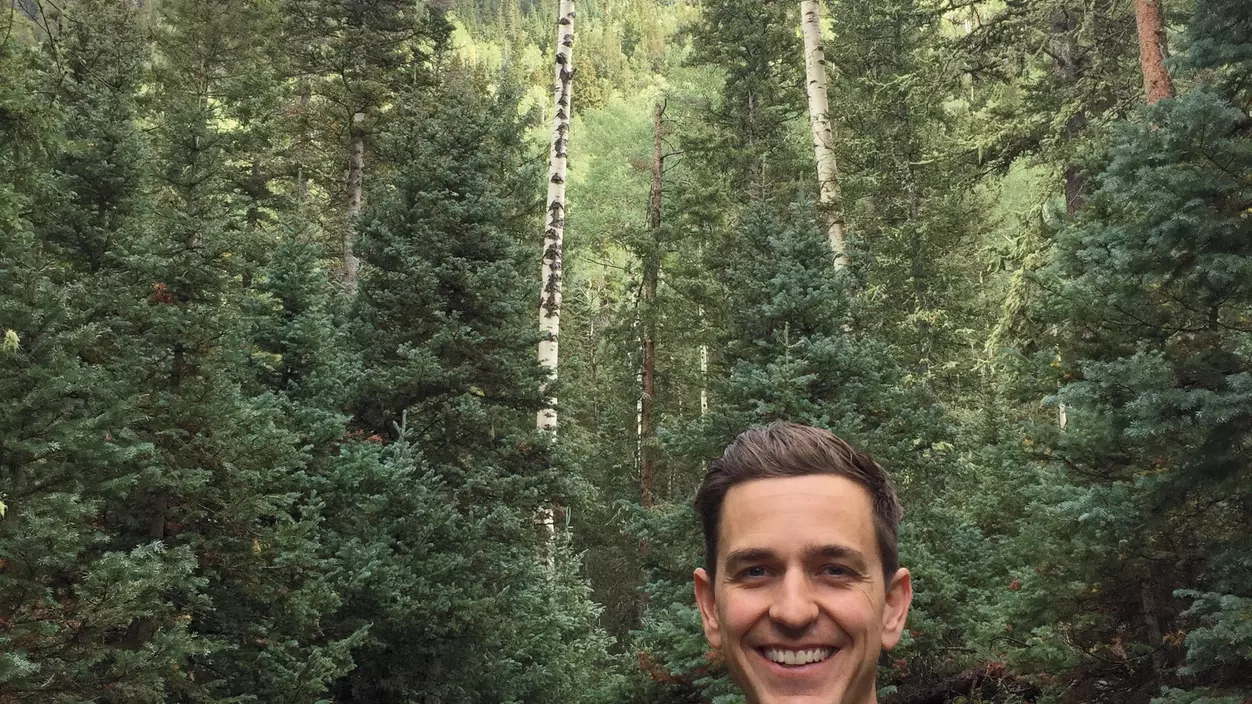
(785,449)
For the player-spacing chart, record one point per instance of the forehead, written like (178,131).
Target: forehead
(790,512)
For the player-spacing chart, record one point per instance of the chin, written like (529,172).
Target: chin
(820,697)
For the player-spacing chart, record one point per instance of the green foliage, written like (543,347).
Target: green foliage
(74,590)
(446,334)
(1152,479)
(445,321)
(1217,45)
(1048,69)
(186,519)
(224,478)
(755,136)
(1177,696)
(1223,635)
(905,181)
(348,58)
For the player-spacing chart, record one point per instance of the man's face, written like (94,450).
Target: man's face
(799,608)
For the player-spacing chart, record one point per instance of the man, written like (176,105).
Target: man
(801,588)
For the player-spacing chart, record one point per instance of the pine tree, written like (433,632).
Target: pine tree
(753,139)
(448,558)
(791,355)
(1153,50)
(228,481)
(1047,69)
(1136,511)
(913,205)
(74,587)
(353,58)
(300,350)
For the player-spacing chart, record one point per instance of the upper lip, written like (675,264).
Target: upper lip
(799,646)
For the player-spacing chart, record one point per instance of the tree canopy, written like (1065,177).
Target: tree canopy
(270,285)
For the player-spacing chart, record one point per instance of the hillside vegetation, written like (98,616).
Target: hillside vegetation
(270,286)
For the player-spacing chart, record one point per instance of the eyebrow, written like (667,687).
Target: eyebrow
(836,552)
(830,551)
(750,555)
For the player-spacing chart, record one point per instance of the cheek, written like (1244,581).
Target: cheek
(740,611)
(855,612)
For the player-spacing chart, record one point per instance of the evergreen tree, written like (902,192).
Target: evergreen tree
(1047,69)
(300,348)
(447,557)
(911,201)
(353,59)
(228,481)
(91,613)
(756,137)
(793,356)
(1138,513)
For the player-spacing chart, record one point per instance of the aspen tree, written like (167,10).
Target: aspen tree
(356,172)
(819,122)
(554,227)
(651,274)
(704,375)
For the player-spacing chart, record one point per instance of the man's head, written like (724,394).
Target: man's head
(801,588)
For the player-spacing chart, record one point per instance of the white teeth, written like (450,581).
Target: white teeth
(798,657)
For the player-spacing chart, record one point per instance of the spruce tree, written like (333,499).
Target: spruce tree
(754,137)
(76,589)
(909,185)
(228,481)
(447,562)
(793,354)
(1139,511)
(352,59)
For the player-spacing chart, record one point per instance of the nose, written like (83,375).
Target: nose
(794,607)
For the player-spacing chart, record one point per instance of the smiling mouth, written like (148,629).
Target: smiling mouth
(796,658)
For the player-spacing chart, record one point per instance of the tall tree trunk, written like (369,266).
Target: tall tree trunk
(1068,66)
(651,273)
(554,230)
(823,132)
(704,378)
(356,170)
(302,183)
(1153,51)
(1152,624)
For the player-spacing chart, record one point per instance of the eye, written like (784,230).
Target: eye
(754,572)
(837,571)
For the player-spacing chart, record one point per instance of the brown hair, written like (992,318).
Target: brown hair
(785,449)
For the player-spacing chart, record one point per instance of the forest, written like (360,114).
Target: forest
(284,417)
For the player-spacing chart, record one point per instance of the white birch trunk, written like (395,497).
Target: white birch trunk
(554,229)
(356,179)
(704,376)
(819,121)
(651,278)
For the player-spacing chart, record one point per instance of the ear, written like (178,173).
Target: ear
(896,609)
(708,608)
